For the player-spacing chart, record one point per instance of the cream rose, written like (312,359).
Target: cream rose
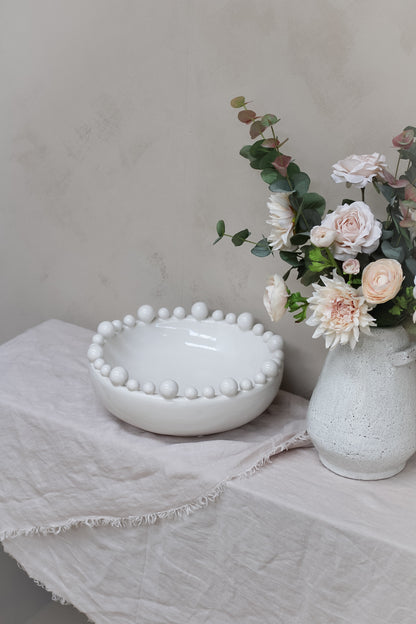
(281,219)
(359,170)
(358,231)
(322,236)
(275,297)
(381,280)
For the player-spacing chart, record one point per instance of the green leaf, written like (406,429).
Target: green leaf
(292,170)
(269,175)
(245,152)
(394,253)
(409,154)
(300,239)
(388,192)
(411,174)
(269,120)
(307,219)
(300,181)
(257,150)
(279,185)
(262,248)
(348,201)
(238,102)
(411,265)
(313,201)
(387,234)
(240,237)
(291,258)
(220,228)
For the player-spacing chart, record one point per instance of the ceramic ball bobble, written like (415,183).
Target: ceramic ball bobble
(179,373)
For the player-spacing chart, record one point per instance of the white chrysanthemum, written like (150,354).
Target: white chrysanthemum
(340,312)
(282,218)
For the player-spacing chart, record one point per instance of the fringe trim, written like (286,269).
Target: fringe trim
(54,596)
(296,441)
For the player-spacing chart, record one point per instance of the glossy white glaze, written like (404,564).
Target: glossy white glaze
(180,374)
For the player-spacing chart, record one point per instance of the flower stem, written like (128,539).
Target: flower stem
(362,194)
(397,167)
(245,240)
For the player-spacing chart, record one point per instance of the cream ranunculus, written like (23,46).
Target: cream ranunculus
(275,297)
(358,231)
(359,170)
(340,312)
(322,236)
(281,219)
(381,280)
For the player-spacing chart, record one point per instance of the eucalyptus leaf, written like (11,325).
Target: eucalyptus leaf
(257,150)
(245,152)
(262,248)
(411,265)
(315,202)
(290,257)
(348,201)
(308,218)
(292,170)
(300,182)
(238,101)
(300,239)
(280,185)
(394,253)
(240,237)
(269,120)
(269,175)
(220,228)
(388,192)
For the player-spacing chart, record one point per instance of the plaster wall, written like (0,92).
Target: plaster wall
(119,150)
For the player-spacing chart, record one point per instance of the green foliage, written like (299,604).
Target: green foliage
(310,263)
(297,304)
(240,237)
(262,248)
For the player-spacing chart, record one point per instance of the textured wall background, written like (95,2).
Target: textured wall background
(119,150)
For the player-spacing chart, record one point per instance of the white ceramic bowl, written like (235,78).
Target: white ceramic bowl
(185,375)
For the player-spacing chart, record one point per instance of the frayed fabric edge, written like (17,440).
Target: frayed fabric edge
(296,441)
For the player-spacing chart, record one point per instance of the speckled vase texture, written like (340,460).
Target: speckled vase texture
(362,413)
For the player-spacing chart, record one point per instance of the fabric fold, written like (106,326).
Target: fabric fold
(66,461)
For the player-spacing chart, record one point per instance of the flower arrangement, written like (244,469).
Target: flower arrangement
(362,270)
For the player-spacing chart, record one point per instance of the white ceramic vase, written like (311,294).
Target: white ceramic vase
(362,413)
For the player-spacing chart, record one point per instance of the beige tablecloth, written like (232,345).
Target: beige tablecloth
(100,512)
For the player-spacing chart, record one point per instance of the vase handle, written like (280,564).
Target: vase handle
(401,358)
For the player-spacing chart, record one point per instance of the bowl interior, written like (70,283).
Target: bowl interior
(193,353)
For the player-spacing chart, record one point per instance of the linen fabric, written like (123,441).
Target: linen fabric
(293,544)
(66,461)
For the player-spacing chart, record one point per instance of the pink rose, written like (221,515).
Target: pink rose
(359,170)
(358,231)
(382,280)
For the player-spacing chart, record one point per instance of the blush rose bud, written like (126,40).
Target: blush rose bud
(351,266)
(322,236)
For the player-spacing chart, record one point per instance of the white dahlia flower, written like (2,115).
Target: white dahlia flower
(340,312)
(282,218)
